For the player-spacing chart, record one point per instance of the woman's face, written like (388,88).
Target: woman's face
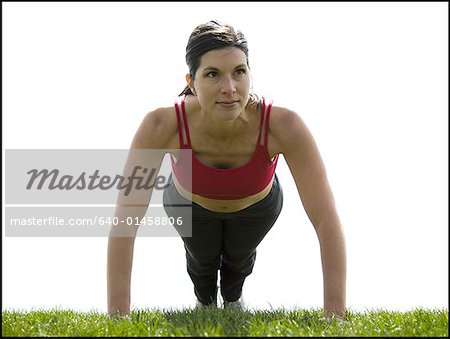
(222,83)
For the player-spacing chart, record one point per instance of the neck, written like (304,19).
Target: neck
(224,129)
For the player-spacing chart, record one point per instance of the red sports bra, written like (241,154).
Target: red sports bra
(228,183)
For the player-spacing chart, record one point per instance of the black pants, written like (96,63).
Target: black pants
(223,241)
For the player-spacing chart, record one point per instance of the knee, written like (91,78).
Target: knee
(204,261)
(239,261)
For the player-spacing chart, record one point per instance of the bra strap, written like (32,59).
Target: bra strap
(263,109)
(186,127)
(266,124)
(180,125)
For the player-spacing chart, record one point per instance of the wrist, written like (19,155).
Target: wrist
(334,311)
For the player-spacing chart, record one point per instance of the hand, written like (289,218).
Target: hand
(332,314)
(118,315)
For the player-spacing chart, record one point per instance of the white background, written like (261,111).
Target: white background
(369,79)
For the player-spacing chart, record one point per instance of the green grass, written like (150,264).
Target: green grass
(220,322)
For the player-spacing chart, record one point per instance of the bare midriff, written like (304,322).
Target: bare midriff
(218,205)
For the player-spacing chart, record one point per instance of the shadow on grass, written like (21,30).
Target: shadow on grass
(231,322)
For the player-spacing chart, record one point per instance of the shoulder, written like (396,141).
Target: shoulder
(288,129)
(162,117)
(281,117)
(157,129)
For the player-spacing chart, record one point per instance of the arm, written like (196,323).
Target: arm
(295,142)
(154,133)
(120,258)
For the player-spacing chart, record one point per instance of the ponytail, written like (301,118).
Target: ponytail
(186,91)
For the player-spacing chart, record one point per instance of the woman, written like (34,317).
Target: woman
(236,139)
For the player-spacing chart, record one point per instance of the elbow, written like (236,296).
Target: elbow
(329,225)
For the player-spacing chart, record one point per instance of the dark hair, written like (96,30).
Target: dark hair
(207,37)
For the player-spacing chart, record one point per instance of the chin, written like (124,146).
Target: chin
(228,114)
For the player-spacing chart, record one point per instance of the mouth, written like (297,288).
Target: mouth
(228,103)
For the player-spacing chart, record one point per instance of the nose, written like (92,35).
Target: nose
(228,85)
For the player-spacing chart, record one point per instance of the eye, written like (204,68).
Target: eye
(241,71)
(211,74)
